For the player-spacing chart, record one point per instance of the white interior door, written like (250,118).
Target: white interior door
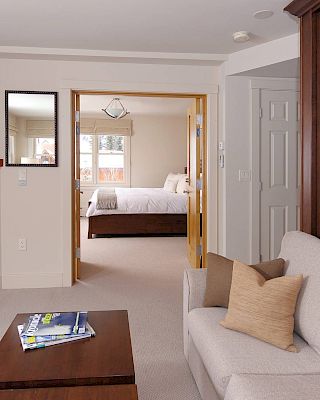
(279,169)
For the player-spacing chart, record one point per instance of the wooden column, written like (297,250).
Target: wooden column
(309,13)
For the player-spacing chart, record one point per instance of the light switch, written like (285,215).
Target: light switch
(22,178)
(221,161)
(244,175)
(221,145)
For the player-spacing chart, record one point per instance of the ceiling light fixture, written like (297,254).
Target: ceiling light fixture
(263,14)
(115,109)
(241,36)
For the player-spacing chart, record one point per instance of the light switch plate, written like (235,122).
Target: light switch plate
(244,175)
(22,177)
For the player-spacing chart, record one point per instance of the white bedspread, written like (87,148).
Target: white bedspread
(143,201)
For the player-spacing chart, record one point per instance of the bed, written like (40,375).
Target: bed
(140,211)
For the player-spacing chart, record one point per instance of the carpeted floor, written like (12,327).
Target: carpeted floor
(142,275)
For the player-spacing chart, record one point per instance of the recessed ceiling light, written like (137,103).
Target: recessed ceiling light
(263,14)
(241,36)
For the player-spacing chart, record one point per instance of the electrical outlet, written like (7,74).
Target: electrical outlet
(244,175)
(22,244)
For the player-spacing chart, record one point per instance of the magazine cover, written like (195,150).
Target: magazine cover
(36,344)
(65,323)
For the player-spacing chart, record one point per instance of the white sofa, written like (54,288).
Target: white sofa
(233,366)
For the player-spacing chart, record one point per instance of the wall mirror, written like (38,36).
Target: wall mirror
(31,129)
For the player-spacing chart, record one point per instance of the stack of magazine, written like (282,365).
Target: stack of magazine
(43,330)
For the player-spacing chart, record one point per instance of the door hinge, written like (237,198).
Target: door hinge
(260,186)
(260,112)
(199,119)
(199,250)
(77,184)
(78,252)
(199,184)
(77,116)
(260,257)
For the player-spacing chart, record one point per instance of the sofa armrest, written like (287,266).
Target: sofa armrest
(194,286)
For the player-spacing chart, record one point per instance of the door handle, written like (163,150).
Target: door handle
(187,191)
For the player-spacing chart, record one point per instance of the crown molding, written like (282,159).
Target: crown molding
(112,56)
(301,7)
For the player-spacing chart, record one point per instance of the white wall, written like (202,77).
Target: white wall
(276,51)
(237,156)
(236,196)
(41,211)
(158,146)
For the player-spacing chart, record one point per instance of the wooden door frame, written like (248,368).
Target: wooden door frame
(204,100)
(309,13)
(257,85)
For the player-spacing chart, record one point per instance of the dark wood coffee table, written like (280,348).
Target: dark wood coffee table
(105,359)
(110,392)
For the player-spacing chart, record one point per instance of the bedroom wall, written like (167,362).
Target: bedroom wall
(41,211)
(158,146)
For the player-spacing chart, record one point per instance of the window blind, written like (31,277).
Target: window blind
(118,127)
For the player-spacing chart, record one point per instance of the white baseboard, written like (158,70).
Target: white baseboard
(23,281)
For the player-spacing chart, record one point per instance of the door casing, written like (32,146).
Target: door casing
(76,209)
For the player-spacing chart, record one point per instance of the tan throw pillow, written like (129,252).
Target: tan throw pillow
(263,309)
(170,185)
(219,276)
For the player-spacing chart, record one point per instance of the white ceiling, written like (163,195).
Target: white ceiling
(91,105)
(185,26)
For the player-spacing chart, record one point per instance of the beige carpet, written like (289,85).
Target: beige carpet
(142,275)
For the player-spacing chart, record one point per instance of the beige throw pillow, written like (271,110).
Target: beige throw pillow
(171,182)
(263,309)
(182,185)
(219,276)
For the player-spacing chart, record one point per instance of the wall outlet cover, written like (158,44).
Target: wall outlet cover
(22,244)
(244,175)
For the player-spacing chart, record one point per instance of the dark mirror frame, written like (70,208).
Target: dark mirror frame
(55,94)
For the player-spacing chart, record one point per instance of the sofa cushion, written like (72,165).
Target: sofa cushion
(302,255)
(254,306)
(225,352)
(266,387)
(219,277)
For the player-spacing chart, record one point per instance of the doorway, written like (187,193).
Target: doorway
(196,171)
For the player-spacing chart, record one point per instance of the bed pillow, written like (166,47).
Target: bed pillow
(182,185)
(171,182)
(219,276)
(263,309)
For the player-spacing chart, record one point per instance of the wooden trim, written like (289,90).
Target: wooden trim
(308,11)
(73,216)
(203,221)
(202,97)
(308,121)
(301,7)
(141,94)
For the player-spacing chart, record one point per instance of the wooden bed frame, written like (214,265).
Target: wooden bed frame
(137,224)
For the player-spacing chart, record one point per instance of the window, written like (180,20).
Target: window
(104,159)
(42,149)
(45,150)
